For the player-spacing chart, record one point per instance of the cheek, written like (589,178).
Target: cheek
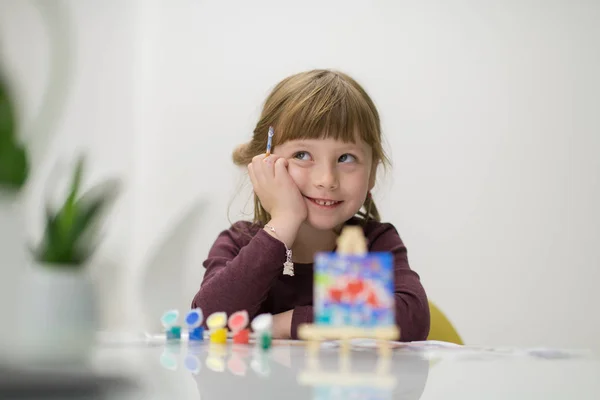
(356,183)
(298,174)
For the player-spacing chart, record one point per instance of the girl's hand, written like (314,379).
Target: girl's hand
(276,189)
(282,325)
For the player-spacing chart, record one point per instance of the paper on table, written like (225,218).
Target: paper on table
(130,338)
(372,343)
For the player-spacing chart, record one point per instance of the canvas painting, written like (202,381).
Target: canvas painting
(354,290)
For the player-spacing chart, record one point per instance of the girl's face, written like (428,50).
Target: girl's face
(334,177)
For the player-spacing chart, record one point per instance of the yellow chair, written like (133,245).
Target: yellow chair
(441,327)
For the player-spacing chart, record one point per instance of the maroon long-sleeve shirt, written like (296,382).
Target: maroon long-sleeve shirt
(244,272)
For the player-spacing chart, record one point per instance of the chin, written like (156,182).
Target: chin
(324,224)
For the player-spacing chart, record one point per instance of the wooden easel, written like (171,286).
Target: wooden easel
(351,242)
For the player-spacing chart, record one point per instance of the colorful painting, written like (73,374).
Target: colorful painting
(354,290)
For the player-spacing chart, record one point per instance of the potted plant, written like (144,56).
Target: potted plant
(14,171)
(59,316)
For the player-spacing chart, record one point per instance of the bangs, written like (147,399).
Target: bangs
(327,107)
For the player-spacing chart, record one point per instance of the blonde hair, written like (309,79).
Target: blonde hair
(316,104)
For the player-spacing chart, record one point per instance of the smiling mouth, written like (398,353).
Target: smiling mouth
(324,202)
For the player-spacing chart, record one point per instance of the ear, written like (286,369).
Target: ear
(373,176)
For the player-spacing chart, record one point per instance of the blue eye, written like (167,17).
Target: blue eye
(302,155)
(346,158)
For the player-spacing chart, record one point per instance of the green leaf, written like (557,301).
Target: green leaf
(70,208)
(70,235)
(14,164)
(7,119)
(14,167)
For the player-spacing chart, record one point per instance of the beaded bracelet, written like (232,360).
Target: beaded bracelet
(288,265)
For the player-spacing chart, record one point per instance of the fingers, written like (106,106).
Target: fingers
(271,159)
(258,166)
(280,169)
(261,169)
(252,176)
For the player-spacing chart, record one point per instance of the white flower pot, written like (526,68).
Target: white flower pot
(58,315)
(13,262)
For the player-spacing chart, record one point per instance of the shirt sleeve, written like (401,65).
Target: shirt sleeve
(239,277)
(412,306)
(301,315)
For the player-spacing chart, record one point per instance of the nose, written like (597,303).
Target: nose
(326,177)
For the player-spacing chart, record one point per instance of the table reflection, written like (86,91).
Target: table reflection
(288,371)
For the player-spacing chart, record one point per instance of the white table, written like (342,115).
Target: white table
(206,372)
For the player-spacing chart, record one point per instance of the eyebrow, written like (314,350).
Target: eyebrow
(312,145)
(353,147)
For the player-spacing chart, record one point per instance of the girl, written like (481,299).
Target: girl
(326,150)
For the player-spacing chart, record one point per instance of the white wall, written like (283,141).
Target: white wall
(489,110)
